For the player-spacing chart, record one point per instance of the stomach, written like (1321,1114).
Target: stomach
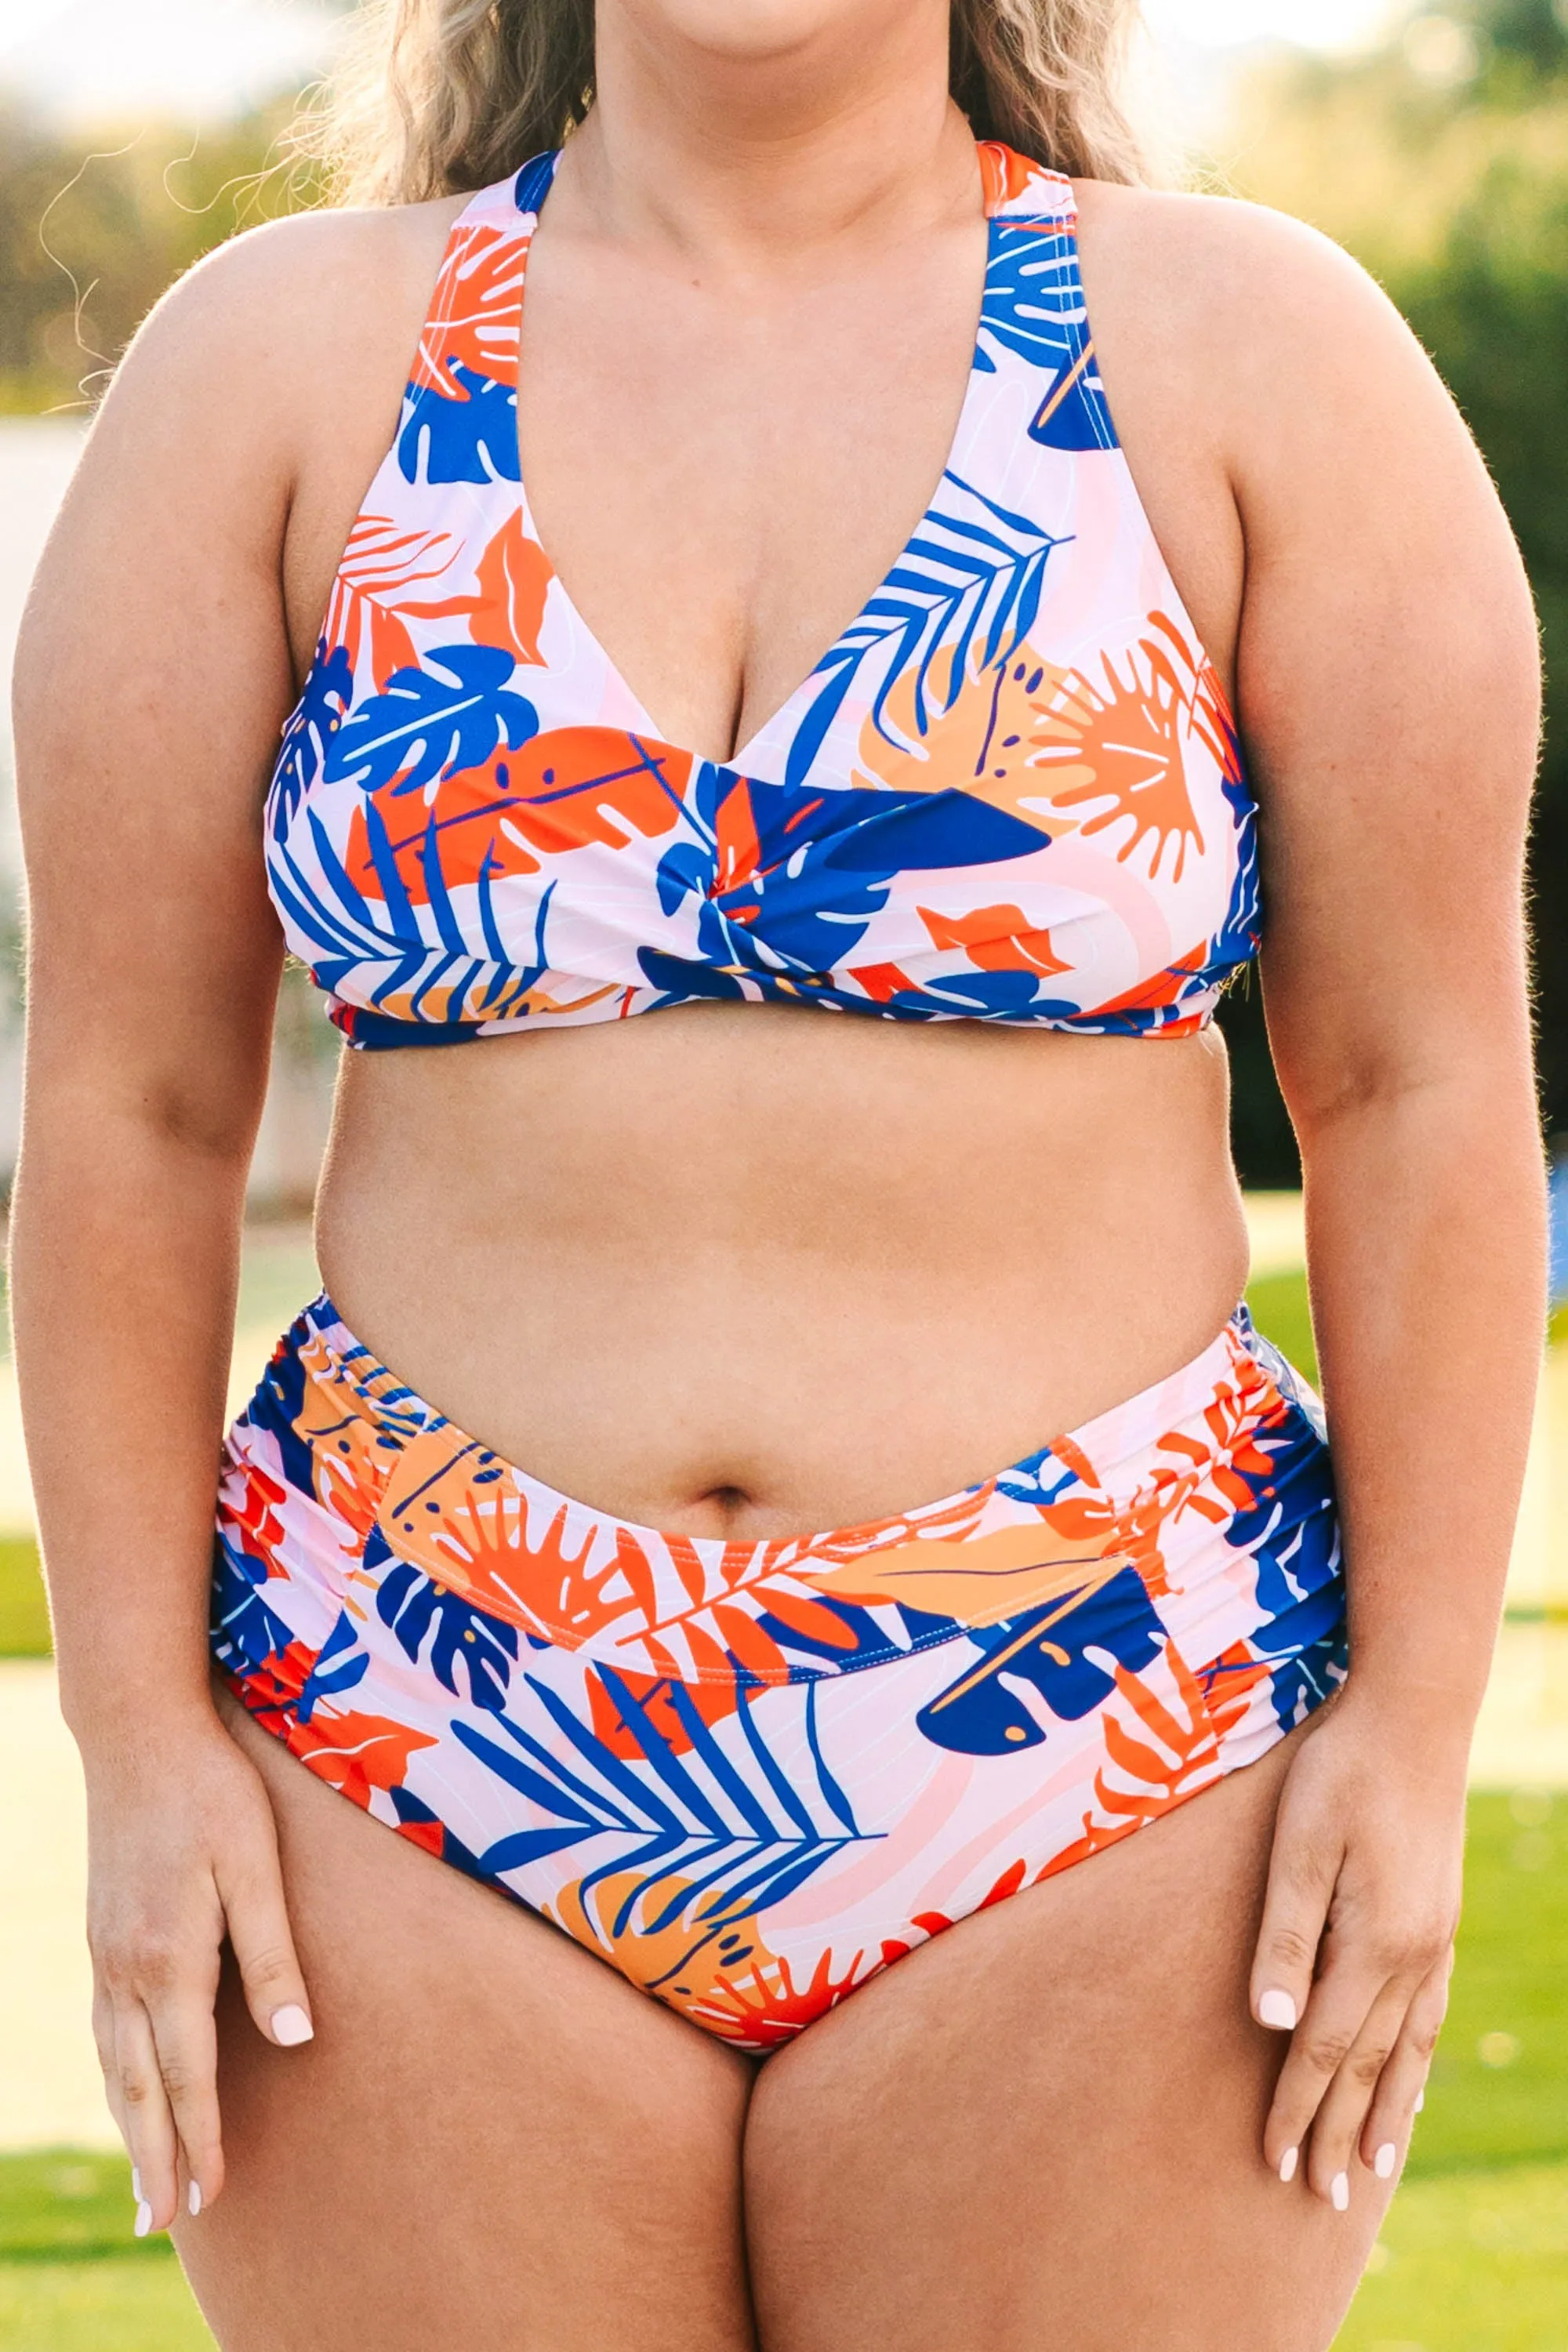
(748,1270)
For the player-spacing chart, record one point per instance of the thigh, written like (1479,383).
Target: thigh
(492,2142)
(1044,2128)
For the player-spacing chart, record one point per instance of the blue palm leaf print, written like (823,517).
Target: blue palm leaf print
(715,1831)
(329,691)
(450,712)
(967,586)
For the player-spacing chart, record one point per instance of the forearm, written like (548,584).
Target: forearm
(1425,1233)
(125,1252)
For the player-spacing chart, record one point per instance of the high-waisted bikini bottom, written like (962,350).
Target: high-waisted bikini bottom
(749,1774)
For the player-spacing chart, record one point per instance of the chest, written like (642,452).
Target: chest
(721,473)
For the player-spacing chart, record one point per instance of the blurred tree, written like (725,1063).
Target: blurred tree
(88,240)
(1441,161)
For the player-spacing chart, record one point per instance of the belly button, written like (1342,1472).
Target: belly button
(729,1501)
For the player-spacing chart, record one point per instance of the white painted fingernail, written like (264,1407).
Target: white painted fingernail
(1384,2162)
(1420,2101)
(1277,2009)
(136,2184)
(1288,2163)
(194,2199)
(290,2026)
(1340,2192)
(144,2217)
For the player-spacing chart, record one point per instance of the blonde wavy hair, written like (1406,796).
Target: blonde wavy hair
(435,98)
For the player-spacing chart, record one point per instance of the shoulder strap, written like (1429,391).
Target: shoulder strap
(1016,188)
(471,337)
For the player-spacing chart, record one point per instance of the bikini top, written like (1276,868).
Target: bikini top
(1011,789)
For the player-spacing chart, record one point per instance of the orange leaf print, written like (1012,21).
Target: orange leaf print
(980,1582)
(681,1963)
(369,597)
(767,2008)
(984,742)
(513,578)
(356,1753)
(476,312)
(463,818)
(470,1531)
(1116,748)
(998,939)
(1004,173)
(580,784)
(506,609)
(1230,1682)
(565,789)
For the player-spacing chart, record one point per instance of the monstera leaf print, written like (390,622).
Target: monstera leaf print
(475,311)
(1067,1651)
(468,439)
(1033,307)
(966,588)
(454,711)
(418,1610)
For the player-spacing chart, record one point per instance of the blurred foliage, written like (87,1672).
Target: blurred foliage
(90,238)
(1441,161)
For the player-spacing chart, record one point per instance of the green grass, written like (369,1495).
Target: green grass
(1279,1309)
(1473,2257)
(72,2277)
(110,2306)
(1478,2263)
(1508,2002)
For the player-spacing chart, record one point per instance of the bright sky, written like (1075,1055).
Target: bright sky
(105,58)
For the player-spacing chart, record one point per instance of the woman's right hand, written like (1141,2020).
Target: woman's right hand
(182,1853)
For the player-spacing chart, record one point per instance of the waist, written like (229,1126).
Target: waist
(735,1272)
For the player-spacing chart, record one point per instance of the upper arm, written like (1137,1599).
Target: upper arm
(1388,683)
(181,588)
(153,673)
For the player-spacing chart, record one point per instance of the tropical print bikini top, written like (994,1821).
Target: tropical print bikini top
(1011,789)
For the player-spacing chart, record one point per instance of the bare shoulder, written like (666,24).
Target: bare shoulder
(1223,264)
(275,319)
(1281,339)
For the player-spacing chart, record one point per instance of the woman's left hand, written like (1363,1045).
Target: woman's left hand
(1357,1941)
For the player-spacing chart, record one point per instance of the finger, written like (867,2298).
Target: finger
(263,1944)
(1301,1875)
(149,2127)
(184,2035)
(109,2064)
(1398,2096)
(1336,2010)
(1331,2163)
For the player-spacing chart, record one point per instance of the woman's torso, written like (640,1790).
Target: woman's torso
(746,1265)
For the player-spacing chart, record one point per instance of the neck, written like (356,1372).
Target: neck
(719,147)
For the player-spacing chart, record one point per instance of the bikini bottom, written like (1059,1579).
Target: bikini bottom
(752,1773)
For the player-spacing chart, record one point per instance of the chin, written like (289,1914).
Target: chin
(748,30)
